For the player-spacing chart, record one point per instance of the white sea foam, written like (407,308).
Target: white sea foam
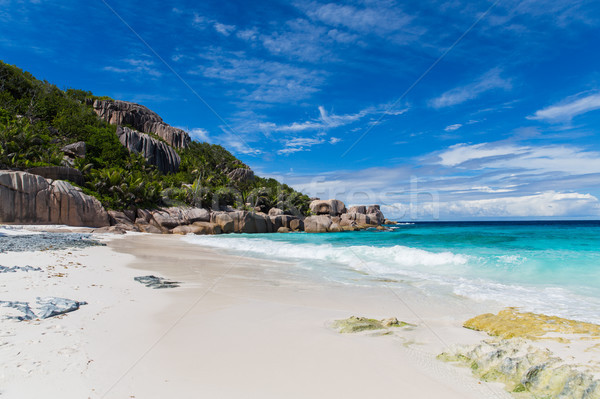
(459,272)
(16,231)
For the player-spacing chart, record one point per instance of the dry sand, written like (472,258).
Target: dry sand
(236,328)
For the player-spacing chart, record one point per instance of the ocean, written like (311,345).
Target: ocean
(550,267)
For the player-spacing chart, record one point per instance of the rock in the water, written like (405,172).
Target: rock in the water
(297,225)
(30,199)
(317,224)
(141,119)
(283,230)
(334,228)
(358,209)
(156,282)
(156,152)
(330,207)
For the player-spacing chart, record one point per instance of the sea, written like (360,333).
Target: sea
(549,267)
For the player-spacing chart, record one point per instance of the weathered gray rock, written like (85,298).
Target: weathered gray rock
(297,225)
(117,217)
(330,207)
(317,224)
(140,118)
(241,175)
(26,198)
(169,218)
(197,215)
(334,228)
(251,222)
(207,228)
(358,209)
(156,152)
(58,173)
(282,221)
(224,220)
(275,212)
(75,150)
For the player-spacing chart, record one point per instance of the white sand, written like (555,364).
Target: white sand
(237,328)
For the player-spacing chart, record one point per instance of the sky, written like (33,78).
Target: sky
(443,110)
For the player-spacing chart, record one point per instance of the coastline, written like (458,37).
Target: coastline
(236,327)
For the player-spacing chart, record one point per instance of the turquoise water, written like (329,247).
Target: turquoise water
(550,267)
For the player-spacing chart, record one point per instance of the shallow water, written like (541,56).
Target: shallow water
(547,267)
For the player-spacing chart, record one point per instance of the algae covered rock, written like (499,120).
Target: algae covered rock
(510,323)
(526,371)
(357,324)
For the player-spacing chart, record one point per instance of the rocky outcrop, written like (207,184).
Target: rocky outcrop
(27,198)
(330,207)
(156,152)
(59,173)
(317,224)
(75,150)
(241,175)
(140,118)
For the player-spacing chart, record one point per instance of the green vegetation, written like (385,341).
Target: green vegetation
(37,119)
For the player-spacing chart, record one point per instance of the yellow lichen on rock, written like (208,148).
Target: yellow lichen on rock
(510,323)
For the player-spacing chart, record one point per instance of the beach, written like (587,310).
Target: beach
(237,327)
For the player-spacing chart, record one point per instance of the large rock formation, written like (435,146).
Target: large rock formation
(156,152)
(140,118)
(26,198)
(330,207)
(59,173)
(317,224)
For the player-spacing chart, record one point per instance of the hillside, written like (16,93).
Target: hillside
(128,156)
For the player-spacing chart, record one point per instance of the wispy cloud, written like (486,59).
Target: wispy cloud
(489,81)
(568,108)
(260,80)
(138,66)
(327,120)
(200,134)
(381,19)
(224,29)
(510,157)
(453,127)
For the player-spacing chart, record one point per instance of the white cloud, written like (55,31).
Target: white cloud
(546,204)
(224,29)
(568,108)
(378,19)
(265,81)
(489,81)
(200,134)
(327,120)
(453,127)
(136,66)
(506,156)
(334,140)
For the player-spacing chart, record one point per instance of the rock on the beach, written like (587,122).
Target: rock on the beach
(330,207)
(156,152)
(317,224)
(141,119)
(58,173)
(358,209)
(30,199)
(251,222)
(156,282)
(224,220)
(46,307)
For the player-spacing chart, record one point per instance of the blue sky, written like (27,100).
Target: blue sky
(437,109)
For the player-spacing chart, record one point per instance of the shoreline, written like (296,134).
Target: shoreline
(237,327)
